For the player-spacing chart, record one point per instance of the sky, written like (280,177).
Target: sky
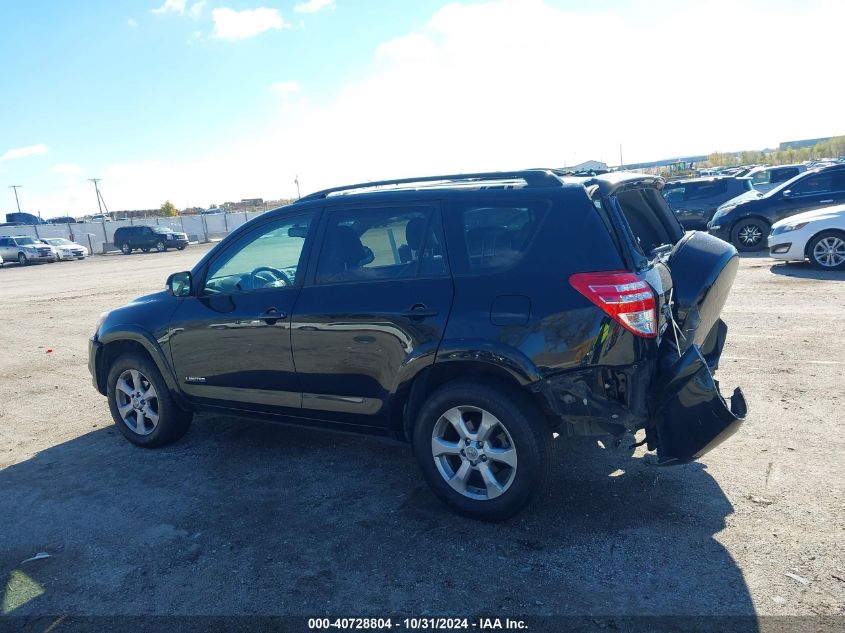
(202,102)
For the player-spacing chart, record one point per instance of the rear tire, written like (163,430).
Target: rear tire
(515,451)
(141,404)
(826,251)
(749,235)
(125,249)
(146,249)
(180,248)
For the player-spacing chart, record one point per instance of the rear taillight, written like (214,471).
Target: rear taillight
(627,298)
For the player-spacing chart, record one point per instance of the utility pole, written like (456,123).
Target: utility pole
(101,203)
(296,180)
(621,164)
(15,189)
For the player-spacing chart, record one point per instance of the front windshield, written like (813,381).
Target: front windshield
(162,229)
(24,241)
(58,241)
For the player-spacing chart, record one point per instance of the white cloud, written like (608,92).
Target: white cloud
(132,23)
(196,9)
(313,6)
(22,152)
(66,169)
(239,25)
(285,88)
(175,6)
(522,83)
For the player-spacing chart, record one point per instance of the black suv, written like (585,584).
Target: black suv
(146,238)
(695,201)
(470,315)
(746,222)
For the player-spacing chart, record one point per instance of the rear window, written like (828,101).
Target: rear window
(782,175)
(703,190)
(495,236)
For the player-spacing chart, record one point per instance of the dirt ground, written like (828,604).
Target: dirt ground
(248,518)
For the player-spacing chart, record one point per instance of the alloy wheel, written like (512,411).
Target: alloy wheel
(160,247)
(126,249)
(22,259)
(137,402)
(750,235)
(474,452)
(829,252)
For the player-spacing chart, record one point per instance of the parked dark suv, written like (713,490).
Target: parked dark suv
(471,315)
(747,222)
(146,238)
(695,201)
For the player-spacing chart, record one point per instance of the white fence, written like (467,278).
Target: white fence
(99,236)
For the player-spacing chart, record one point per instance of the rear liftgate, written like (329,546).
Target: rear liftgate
(690,416)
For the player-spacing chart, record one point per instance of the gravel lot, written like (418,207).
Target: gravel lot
(247,518)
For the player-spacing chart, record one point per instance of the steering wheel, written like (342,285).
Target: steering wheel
(277,275)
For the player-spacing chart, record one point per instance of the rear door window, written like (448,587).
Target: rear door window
(370,244)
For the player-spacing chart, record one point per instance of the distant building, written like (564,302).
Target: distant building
(135,213)
(589,165)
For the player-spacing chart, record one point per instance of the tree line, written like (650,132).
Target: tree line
(833,148)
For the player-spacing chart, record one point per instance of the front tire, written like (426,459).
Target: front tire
(161,246)
(484,449)
(826,251)
(750,235)
(22,260)
(141,404)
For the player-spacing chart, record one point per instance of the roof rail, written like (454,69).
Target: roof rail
(532,178)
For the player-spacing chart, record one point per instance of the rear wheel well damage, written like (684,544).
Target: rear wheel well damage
(599,400)
(426,382)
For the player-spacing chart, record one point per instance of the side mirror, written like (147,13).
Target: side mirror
(786,194)
(179,284)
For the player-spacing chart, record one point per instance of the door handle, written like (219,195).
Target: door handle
(271,316)
(420,311)
(826,201)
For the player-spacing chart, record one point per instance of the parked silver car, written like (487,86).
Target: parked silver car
(25,250)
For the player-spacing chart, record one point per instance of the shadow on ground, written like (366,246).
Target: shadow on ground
(803,270)
(246,518)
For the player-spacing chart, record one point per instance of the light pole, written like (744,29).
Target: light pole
(15,189)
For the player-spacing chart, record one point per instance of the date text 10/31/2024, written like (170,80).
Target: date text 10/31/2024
(413,624)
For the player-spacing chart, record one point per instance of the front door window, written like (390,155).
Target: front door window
(268,258)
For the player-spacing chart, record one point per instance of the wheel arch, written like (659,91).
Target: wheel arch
(750,216)
(810,239)
(411,398)
(125,341)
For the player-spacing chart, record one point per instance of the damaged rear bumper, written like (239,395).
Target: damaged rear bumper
(679,405)
(691,416)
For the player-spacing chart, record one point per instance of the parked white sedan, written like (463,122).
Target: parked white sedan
(65,249)
(815,235)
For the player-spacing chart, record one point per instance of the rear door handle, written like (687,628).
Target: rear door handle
(420,311)
(271,316)
(826,201)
